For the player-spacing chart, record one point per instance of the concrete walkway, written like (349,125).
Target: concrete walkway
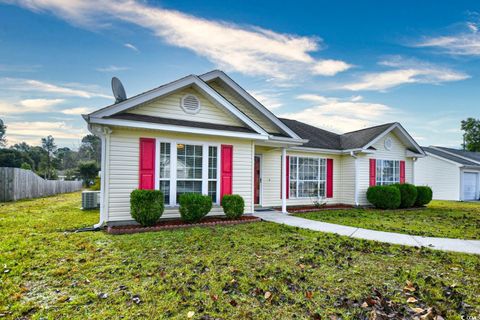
(445,244)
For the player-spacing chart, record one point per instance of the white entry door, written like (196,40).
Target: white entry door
(470,187)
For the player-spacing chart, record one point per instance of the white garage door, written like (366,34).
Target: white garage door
(470,186)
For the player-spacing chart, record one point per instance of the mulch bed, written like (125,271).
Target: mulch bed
(179,224)
(299,209)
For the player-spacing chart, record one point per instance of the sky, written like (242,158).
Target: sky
(339,65)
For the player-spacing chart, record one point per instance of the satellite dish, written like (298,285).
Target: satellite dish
(118,90)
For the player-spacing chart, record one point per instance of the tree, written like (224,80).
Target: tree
(48,144)
(67,158)
(12,158)
(3,130)
(471,136)
(88,171)
(90,149)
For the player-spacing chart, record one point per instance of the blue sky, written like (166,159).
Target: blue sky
(340,65)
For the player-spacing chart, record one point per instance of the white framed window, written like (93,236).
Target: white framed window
(307,177)
(187,167)
(387,172)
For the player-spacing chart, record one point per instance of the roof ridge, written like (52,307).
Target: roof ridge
(372,127)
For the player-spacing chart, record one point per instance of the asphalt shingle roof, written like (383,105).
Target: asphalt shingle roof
(452,157)
(183,123)
(319,138)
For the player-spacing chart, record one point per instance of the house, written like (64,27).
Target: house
(451,173)
(206,134)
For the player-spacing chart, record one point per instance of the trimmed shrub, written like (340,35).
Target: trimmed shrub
(96,185)
(194,206)
(233,206)
(408,194)
(384,197)
(146,206)
(424,196)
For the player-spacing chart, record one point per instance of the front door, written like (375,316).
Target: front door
(257,180)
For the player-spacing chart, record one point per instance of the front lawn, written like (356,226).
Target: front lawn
(440,219)
(251,271)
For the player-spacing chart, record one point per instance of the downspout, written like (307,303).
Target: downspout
(104,134)
(355,176)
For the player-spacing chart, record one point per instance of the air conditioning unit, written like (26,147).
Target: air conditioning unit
(90,200)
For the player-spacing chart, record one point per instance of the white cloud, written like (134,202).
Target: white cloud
(77,111)
(406,71)
(28,105)
(330,67)
(247,49)
(463,43)
(32,131)
(342,115)
(131,46)
(30,85)
(112,68)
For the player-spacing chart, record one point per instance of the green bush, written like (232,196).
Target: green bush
(96,185)
(408,194)
(384,197)
(233,206)
(194,206)
(146,206)
(424,196)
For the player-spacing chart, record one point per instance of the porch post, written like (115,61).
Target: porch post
(284,180)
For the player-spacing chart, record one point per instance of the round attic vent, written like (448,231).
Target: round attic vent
(190,104)
(388,143)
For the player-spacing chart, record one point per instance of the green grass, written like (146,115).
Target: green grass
(49,272)
(440,219)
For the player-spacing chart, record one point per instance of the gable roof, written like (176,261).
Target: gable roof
(355,140)
(191,80)
(465,158)
(218,74)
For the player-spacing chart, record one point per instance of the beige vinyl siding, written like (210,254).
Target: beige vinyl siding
(123,169)
(397,152)
(441,175)
(245,107)
(347,183)
(271,177)
(169,107)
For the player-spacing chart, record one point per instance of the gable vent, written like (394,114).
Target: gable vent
(190,104)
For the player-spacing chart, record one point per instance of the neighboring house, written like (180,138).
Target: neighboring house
(451,173)
(206,134)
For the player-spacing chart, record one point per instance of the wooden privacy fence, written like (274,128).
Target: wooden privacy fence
(16,184)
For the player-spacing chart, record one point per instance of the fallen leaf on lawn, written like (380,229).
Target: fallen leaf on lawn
(267,295)
(411,300)
(309,294)
(214,297)
(233,303)
(418,310)
(301,266)
(63,299)
(190,314)
(409,287)
(316,316)
(364,305)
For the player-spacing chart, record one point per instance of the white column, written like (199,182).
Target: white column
(284,180)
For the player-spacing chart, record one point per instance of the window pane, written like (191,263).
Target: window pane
(189,161)
(164,160)
(293,168)
(212,190)
(212,162)
(307,189)
(188,187)
(165,188)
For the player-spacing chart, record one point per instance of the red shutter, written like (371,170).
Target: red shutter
(288,177)
(226,170)
(402,171)
(329,178)
(373,172)
(147,164)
